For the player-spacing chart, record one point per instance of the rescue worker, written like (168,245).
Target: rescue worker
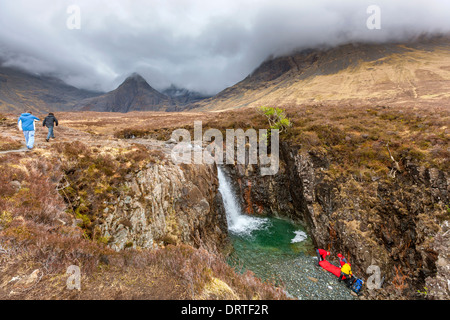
(346,271)
(342,259)
(321,255)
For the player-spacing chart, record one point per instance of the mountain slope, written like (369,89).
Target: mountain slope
(417,73)
(21,91)
(183,97)
(134,94)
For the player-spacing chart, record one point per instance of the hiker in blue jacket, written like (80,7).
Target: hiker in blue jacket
(26,124)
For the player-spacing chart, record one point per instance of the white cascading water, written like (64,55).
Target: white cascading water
(238,223)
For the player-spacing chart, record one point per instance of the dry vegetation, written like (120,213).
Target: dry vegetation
(7,143)
(109,123)
(358,139)
(35,230)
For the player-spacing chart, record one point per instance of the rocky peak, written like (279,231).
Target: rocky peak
(134,94)
(135,80)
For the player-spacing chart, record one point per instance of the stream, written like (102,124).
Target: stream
(277,250)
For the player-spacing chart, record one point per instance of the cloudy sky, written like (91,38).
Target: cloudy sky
(203,45)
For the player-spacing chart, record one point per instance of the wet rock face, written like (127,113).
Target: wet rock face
(168,204)
(262,195)
(290,193)
(388,223)
(278,195)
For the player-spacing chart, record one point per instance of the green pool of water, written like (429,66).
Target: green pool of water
(280,251)
(274,241)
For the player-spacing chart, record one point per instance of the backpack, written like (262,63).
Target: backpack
(357,286)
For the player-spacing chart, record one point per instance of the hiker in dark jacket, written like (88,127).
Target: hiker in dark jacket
(50,121)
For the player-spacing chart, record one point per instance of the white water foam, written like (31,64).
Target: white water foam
(299,236)
(238,223)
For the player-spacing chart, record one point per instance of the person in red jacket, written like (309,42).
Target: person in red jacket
(322,254)
(342,259)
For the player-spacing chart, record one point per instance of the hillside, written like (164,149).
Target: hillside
(21,91)
(416,73)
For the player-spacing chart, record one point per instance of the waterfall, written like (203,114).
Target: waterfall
(238,223)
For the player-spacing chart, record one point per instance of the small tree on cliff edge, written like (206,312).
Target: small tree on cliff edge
(277,119)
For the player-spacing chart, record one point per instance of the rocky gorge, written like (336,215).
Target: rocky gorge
(393,224)
(397,225)
(383,206)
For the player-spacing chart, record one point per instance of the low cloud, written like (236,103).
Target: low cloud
(200,45)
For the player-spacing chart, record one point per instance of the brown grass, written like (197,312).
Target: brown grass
(109,123)
(33,217)
(6,144)
(355,138)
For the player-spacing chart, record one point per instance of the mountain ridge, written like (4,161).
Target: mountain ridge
(415,72)
(21,91)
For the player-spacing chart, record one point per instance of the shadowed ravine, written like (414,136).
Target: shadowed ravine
(276,250)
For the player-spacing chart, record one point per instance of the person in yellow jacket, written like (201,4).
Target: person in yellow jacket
(346,271)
